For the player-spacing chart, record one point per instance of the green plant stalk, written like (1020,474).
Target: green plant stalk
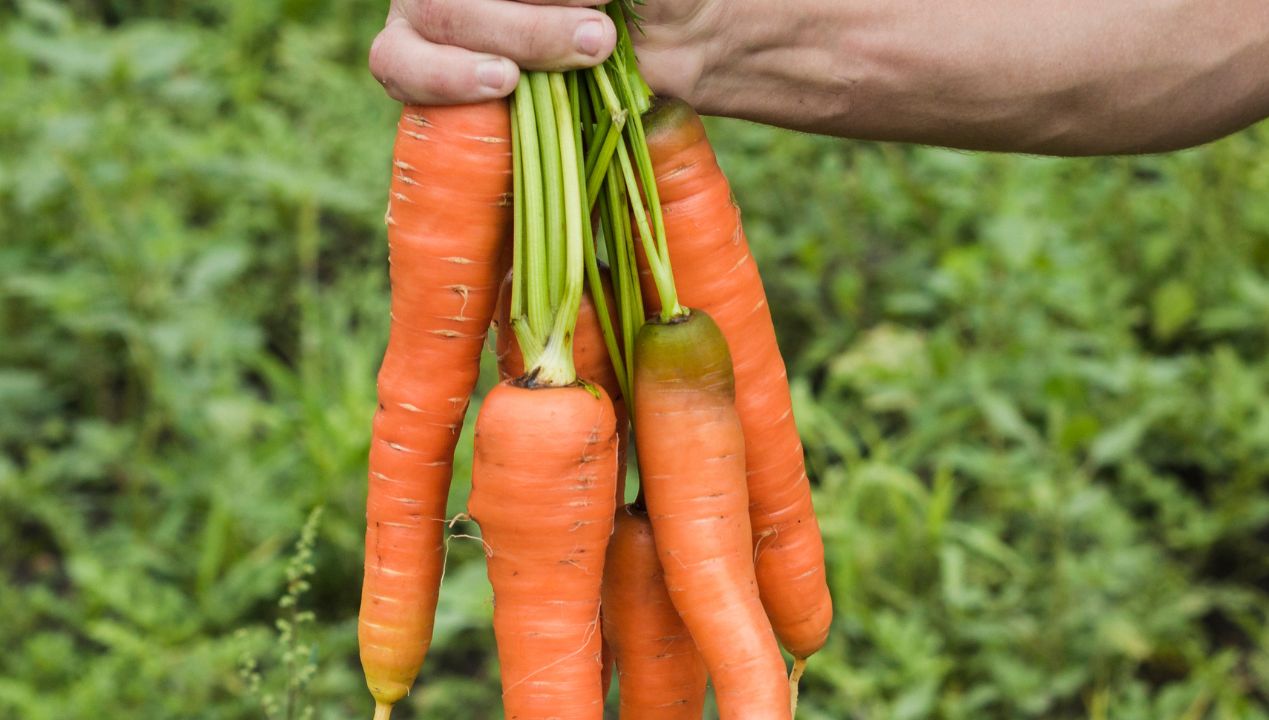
(625,271)
(555,367)
(643,161)
(607,92)
(635,287)
(658,264)
(528,286)
(625,60)
(517,220)
(553,198)
(602,156)
(598,124)
(605,105)
(594,281)
(633,96)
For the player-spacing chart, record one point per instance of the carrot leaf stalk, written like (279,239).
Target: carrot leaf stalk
(548,267)
(529,311)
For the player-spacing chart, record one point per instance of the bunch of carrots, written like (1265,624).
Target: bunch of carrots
(590,223)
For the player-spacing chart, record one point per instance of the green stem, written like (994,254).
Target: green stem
(556,365)
(658,263)
(647,176)
(594,281)
(602,155)
(625,271)
(607,93)
(549,139)
(626,61)
(517,222)
(528,289)
(602,127)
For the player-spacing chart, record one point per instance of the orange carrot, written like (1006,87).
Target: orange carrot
(661,673)
(542,492)
(591,359)
(447,218)
(692,460)
(714,271)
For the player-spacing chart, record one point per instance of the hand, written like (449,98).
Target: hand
(441,52)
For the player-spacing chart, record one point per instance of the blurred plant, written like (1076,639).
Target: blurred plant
(279,685)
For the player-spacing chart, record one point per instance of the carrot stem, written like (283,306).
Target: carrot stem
(597,122)
(517,198)
(549,139)
(625,59)
(555,367)
(626,279)
(531,327)
(614,81)
(597,165)
(607,92)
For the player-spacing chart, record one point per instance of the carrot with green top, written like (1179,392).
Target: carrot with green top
(545,459)
(714,271)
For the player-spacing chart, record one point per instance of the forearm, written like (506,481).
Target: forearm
(1074,77)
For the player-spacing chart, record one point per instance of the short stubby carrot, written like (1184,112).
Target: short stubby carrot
(692,464)
(590,357)
(543,481)
(448,217)
(714,271)
(661,674)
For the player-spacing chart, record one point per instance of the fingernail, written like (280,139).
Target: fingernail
(589,37)
(492,73)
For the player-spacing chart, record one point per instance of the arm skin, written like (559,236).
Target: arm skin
(1078,77)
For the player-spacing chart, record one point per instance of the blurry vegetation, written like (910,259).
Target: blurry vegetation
(1034,392)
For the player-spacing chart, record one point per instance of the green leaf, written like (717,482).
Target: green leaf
(1172,307)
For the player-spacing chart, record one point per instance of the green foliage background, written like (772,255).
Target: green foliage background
(1034,392)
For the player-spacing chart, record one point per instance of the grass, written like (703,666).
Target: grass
(1034,393)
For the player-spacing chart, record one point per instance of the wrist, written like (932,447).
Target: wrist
(792,65)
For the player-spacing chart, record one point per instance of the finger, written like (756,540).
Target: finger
(570,3)
(416,71)
(537,37)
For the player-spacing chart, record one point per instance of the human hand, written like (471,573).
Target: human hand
(440,52)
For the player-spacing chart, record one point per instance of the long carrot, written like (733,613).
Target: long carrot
(692,465)
(447,218)
(545,457)
(543,484)
(662,676)
(714,271)
(590,356)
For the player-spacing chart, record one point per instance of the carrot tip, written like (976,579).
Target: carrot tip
(795,675)
(383,711)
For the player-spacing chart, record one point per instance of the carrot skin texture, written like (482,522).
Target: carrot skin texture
(662,675)
(692,463)
(447,218)
(543,486)
(714,271)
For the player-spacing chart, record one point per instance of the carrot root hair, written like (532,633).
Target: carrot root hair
(795,676)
